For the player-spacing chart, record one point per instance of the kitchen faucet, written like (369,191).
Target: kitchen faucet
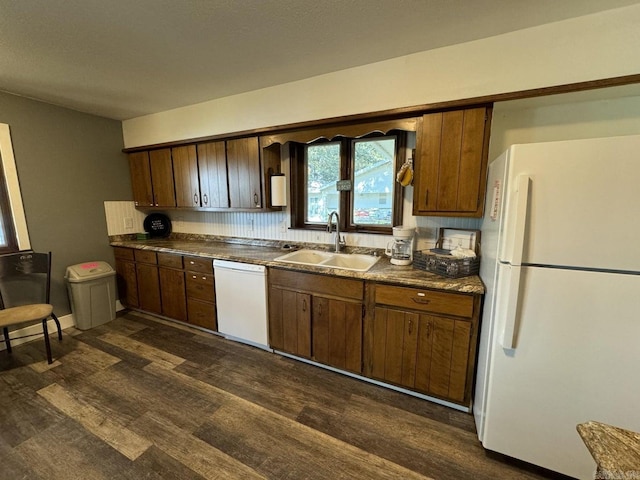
(340,242)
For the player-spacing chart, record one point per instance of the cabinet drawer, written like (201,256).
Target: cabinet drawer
(198,264)
(123,253)
(317,284)
(145,256)
(201,286)
(202,314)
(425,300)
(170,260)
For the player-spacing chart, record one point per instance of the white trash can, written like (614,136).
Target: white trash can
(92,293)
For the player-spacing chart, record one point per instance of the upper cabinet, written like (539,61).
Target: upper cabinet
(212,168)
(216,175)
(152,178)
(451,163)
(243,162)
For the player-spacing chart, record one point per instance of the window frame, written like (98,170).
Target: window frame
(12,209)
(298,184)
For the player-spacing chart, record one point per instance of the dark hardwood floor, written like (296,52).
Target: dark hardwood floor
(141,398)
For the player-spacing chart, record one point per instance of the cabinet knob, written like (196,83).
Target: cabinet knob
(205,199)
(255,199)
(195,198)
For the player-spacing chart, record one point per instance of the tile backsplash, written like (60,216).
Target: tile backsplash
(123,218)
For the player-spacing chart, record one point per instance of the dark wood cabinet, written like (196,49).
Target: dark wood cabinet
(172,286)
(141,179)
(423,340)
(126,277)
(148,281)
(243,163)
(201,294)
(152,178)
(185,175)
(317,317)
(451,163)
(212,168)
(167,284)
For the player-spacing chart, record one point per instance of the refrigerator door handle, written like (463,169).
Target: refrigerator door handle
(511,315)
(522,208)
(513,294)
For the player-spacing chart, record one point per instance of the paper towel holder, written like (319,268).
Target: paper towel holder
(278,189)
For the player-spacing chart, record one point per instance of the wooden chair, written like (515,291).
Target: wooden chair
(25,280)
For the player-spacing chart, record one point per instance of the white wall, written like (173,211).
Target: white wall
(586,48)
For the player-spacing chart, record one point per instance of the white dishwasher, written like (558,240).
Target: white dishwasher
(241,300)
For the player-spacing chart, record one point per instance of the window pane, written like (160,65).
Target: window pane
(323,171)
(373,181)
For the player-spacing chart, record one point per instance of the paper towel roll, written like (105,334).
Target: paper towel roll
(278,190)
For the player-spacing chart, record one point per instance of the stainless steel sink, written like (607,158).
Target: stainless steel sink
(346,261)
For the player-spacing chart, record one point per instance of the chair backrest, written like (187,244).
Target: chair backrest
(24,278)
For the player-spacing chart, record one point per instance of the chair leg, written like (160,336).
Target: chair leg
(55,319)
(46,340)
(7,341)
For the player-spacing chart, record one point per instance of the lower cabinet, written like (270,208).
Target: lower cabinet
(126,277)
(201,294)
(172,286)
(167,284)
(317,317)
(423,340)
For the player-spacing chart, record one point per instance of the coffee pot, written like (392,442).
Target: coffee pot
(400,249)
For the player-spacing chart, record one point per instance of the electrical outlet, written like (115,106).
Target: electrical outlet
(128,223)
(283,226)
(250,225)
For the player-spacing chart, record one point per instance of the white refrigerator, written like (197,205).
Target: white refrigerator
(560,335)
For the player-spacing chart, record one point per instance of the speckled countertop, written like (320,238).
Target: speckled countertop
(265,253)
(615,450)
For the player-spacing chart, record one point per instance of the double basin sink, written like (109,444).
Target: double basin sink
(345,261)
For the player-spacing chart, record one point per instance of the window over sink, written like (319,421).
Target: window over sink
(353,176)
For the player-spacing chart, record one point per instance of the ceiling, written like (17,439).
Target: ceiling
(126,58)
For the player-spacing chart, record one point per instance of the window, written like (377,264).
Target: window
(353,176)
(13,224)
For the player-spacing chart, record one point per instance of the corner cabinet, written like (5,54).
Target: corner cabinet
(451,163)
(423,340)
(318,317)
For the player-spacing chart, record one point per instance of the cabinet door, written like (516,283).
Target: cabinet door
(148,288)
(243,162)
(212,165)
(395,343)
(141,178)
(451,163)
(173,293)
(337,333)
(443,357)
(185,174)
(290,321)
(127,283)
(202,314)
(164,194)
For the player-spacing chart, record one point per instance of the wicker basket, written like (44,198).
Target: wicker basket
(447,265)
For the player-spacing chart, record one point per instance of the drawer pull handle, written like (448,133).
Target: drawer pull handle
(420,299)
(194,276)
(192,262)
(204,278)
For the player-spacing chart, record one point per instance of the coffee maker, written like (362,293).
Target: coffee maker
(400,249)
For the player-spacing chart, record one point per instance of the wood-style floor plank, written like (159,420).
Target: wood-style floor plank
(146,398)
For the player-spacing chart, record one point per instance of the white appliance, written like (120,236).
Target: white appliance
(241,302)
(560,335)
(400,249)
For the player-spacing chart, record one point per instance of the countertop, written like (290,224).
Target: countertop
(615,450)
(264,253)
